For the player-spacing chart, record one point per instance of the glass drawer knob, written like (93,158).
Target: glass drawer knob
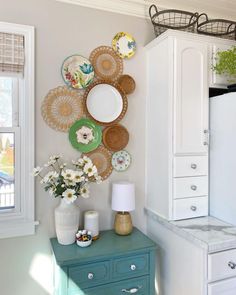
(132,266)
(193,208)
(193,187)
(194,166)
(90,275)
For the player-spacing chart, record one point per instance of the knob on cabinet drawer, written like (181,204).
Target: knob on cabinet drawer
(193,208)
(193,187)
(232,265)
(132,266)
(90,275)
(194,166)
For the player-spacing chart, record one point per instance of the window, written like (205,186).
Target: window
(16,130)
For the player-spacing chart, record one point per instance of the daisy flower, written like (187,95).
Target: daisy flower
(78,176)
(68,174)
(69,196)
(90,169)
(51,175)
(84,192)
(37,170)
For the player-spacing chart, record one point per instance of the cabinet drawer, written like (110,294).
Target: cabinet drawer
(190,187)
(88,275)
(226,287)
(139,286)
(190,166)
(222,265)
(130,266)
(189,208)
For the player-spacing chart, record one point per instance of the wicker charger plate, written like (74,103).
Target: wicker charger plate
(106,62)
(101,158)
(62,107)
(110,115)
(115,137)
(127,83)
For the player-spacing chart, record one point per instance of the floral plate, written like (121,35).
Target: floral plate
(121,160)
(85,135)
(77,71)
(124,44)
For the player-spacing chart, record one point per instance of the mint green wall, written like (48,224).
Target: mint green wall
(61,30)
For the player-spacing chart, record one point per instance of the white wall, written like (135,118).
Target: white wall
(61,30)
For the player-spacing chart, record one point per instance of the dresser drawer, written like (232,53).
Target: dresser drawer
(226,287)
(89,275)
(130,266)
(190,207)
(139,286)
(188,187)
(222,265)
(190,166)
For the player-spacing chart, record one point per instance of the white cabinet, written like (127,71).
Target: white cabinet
(191,97)
(177,125)
(227,287)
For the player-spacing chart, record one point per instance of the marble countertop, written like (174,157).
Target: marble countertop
(207,232)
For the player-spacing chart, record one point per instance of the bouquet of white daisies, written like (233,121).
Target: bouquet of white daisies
(66,183)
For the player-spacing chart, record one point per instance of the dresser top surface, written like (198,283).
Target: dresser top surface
(208,232)
(109,244)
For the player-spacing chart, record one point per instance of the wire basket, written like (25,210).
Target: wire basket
(216,27)
(172,19)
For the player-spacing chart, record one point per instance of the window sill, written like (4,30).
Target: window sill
(17,228)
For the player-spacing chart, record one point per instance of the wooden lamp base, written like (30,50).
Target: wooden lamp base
(123,223)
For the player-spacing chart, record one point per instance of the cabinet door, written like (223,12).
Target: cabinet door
(218,81)
(191,98)
(226,287)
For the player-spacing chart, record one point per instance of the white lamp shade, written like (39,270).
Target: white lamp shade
(123,196)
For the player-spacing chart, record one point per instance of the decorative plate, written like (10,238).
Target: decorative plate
(106,62)
(124,44)
(105,103)
(121,160)
(93,135)
(62,107)
(77,71)
(115,137)
(127,83)
(101,158)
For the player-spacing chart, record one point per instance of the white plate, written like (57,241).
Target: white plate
(104,103)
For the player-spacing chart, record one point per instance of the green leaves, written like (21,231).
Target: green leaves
(226,63)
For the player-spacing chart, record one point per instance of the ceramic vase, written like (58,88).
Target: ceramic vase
(66,222)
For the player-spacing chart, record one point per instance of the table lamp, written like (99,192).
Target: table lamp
(123,201)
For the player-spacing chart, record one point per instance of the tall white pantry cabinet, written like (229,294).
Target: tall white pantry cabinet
(177,126)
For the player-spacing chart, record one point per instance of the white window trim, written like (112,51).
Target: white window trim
(23,222)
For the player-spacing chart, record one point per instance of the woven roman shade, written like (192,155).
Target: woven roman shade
(11,53)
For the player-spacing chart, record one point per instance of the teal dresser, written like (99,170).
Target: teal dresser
(112,265)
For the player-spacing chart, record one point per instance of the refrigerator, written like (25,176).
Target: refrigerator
(223,157)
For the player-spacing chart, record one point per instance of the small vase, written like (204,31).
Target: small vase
(66,222)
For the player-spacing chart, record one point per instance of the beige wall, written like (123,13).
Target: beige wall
(61,30)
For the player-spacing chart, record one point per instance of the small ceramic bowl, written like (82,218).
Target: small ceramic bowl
(84,244)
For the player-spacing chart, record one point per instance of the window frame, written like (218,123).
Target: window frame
(21,222)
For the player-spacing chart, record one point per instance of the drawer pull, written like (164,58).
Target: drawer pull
(194,166)
(232,265)
(132,290)
(90,275)
(133,267)
(193,187)
(193,208)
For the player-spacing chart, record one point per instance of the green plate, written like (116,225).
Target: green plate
(92,145)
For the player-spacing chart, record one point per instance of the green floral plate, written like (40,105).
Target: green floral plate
(85,130)
(77,71)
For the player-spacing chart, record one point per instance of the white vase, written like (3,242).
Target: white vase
(66,222)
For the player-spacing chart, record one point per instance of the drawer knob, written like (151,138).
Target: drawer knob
(132,290)
(90,275)
(232,265)
(193,208)
(132,266)
(193,187)
(194,166)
